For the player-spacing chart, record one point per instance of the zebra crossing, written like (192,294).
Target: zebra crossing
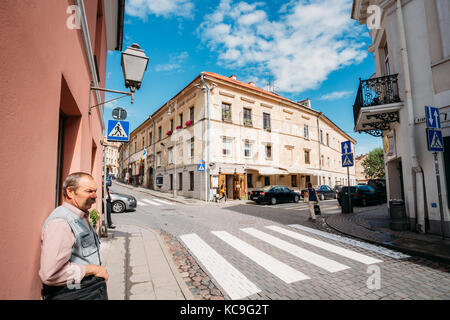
(236,284)
(153,201)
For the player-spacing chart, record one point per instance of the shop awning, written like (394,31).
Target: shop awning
(268,171)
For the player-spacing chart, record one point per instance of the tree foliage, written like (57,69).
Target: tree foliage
(373,164)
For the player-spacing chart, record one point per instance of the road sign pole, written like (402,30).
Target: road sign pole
(349,193)
(441,209)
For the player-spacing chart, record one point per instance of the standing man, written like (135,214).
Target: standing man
(311,198)
(222,192)
(70,257)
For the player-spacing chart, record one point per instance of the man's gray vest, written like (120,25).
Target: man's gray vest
(86,249)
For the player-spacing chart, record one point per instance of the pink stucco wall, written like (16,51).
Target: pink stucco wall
(44,69)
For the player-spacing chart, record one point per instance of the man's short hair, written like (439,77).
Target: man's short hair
(72,181)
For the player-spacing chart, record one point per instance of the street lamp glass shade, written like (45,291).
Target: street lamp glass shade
(134,63)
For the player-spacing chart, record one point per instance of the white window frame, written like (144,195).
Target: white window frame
(227,142)
(250,149)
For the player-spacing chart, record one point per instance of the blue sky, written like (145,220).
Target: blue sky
(307,48)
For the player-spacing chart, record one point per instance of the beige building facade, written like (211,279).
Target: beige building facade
(111,154)
(242,136)
(359,169)
(411,49)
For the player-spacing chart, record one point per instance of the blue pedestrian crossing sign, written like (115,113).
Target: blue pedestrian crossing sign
(433,117)
(347,160)
(118,130)
(201,167)
(435,140)
(346,147)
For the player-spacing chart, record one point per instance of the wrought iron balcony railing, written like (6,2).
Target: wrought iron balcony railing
(376,92)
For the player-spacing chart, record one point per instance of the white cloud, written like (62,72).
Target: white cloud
(308,41)
(164,8)
(336,95)
(174,64)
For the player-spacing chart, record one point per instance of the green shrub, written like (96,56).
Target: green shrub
(94,217)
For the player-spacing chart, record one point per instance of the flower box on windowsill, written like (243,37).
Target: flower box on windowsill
(189,123)
(169,133)
(248,123)
(179,127)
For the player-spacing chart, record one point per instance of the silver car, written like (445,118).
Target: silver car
(121,202)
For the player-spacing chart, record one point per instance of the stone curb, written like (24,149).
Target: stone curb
(395,247)
(184,289)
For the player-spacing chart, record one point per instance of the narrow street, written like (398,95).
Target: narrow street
(273,252)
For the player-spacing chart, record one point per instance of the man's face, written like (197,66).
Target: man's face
(85,196)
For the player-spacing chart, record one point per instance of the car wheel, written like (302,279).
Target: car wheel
(118,207)
(296,199)
(273,201)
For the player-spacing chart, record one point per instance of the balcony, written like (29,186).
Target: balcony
(377,104)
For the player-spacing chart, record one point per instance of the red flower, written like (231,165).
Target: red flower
(179,127)
(169,133)
(189,123)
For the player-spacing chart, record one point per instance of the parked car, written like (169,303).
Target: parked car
(361,195)
(108,181)
(121,202)
(323,192)
(337,188)
(274,195)
(380,187)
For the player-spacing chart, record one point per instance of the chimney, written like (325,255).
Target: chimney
(233,77)
(252,83)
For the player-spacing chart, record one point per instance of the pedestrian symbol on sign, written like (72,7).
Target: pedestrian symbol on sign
(118,131)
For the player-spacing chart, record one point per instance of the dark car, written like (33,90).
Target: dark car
(380,187)
(121,202)
(274,195)
(323,192)
(361,195)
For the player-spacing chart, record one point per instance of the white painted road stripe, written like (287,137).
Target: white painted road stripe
(353,242)
(141,203)
(235,284)
(311,257)
(151,202)
(327,246)
(163,202)
(274,266)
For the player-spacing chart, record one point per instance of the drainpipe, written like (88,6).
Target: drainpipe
(154,155)
(90,56)
(416,212)
(207,91)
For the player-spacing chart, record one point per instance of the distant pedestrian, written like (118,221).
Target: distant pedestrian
(222,192)
(127,177)
(311,198)
(70,249)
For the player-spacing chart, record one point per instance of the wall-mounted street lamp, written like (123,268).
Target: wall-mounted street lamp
(134,63)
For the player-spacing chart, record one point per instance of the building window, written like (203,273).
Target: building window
(159,180)
(150,138)
(267,181)
(159,132)
(191,113)
(135,146)
(226,112)
(171,155)
(181,119)
(191,154)
(268,152)
(171,124)
(191,180)
(328,162)
(249,180)
(266,121)
(158,159)
(226,147)
(247,149)
(306,131)
(171,181)
(322,164)
(321,136)
(143,142)
(247,117)
(328,139)
(307,157)
(294,181)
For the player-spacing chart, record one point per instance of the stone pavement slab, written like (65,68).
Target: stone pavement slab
(140,266)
